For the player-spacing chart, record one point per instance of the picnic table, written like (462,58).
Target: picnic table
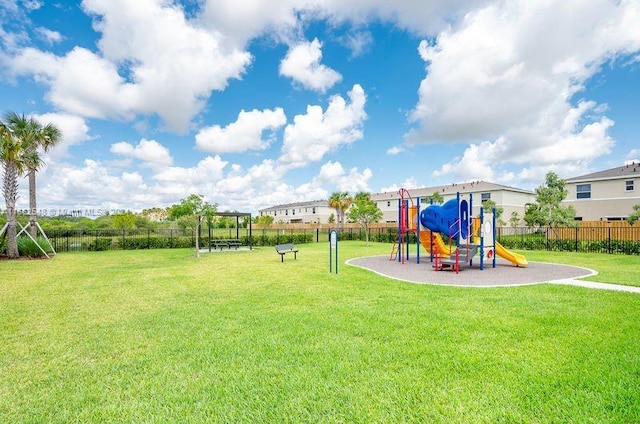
(225,243)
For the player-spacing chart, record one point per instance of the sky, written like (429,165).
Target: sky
(257,103)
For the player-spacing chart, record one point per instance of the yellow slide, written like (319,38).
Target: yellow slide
(443,248)
(513,257)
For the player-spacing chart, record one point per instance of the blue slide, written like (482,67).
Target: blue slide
(443,218)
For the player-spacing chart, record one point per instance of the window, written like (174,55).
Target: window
(389,203)
(286,212)
(313,210)
(583,191)
(628,185)
(485,196)
(293,211)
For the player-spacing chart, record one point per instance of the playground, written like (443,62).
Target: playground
(470,249)
(504,274)
(449,234)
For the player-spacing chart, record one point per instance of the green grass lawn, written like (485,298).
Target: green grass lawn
(159,336)
(613,269)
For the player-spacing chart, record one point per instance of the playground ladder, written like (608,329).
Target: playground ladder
(394,249)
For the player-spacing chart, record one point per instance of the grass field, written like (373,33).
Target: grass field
(159,336)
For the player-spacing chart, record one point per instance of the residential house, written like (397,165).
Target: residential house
(607,195)
(510,199)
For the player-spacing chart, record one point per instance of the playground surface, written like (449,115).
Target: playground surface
(504,274)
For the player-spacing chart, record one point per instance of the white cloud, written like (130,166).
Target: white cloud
(408,184)
(73,128)
(242,135)
(81,83)
(244,20)
(334,174)
(359,42)
(633,156)
(395,150)
(302,64)
(49,36)
(330,172)
(241,21)
(149,151)
(509,73)
(210,170)
(316,133)
(152,60)
(92,187)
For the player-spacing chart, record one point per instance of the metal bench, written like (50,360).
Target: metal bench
(283,249)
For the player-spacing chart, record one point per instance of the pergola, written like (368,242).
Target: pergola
(237,215)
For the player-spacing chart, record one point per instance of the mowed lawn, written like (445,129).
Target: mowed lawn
(160,336)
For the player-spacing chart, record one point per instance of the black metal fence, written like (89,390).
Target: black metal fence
(596,239)
(613,240)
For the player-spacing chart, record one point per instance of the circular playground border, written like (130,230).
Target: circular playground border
(503,275)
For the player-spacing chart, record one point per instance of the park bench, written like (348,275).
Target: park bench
(283,249)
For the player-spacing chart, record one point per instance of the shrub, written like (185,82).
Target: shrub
(33,249)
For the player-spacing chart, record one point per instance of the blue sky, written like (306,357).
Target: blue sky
(260,102)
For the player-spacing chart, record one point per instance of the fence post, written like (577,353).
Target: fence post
(577,230)
(148,238)
(609,239)
(547,230)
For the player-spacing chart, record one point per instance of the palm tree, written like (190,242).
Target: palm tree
(34,137)
(340,201)
(11,156)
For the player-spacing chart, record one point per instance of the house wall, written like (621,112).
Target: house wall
(609,199)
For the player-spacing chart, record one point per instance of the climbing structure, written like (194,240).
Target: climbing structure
(407,224)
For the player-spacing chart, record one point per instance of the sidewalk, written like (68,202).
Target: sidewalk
(594,285)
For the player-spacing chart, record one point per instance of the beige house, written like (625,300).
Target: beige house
(511,199)
(312,212)
(606,195)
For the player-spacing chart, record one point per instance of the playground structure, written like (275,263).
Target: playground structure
(449,233)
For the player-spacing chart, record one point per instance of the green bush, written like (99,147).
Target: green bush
(33,249)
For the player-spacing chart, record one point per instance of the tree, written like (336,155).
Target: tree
(124,221)
(340,201)
(265,221)
(365,212)
(546,211)
(436,198)
(12,158)
(514,221)
(34,137)
(192,209)
(489,205)
(634,216)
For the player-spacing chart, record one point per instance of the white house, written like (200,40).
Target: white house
(511,199)
(607,195)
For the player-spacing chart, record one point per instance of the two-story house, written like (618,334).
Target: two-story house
(605,195)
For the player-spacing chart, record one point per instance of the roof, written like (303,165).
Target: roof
(630,170)
(463,188)
(307,204)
